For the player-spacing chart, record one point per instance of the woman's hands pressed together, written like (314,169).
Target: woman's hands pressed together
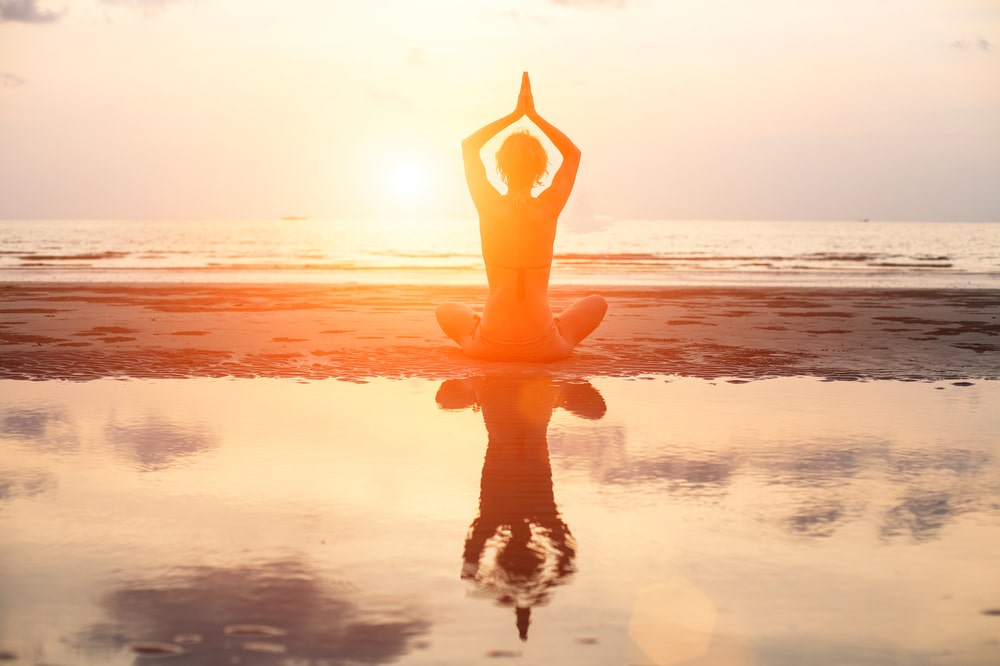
(525,100)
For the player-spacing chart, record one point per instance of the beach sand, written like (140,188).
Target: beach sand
(84,331)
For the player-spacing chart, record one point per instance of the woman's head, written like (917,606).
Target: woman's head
(521,160)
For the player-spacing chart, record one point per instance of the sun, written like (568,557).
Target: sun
(401,182)
(409,179)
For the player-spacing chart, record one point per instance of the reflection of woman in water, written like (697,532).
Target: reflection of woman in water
(518,547)
(517,232)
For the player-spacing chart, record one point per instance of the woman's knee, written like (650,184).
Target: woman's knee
(442,313)
(589,310)
(455,319)
(450,311)
(581,318)
(597,304)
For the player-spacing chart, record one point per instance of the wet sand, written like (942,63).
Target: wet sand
(351,332)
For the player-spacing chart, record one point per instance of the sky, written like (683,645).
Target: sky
(683,109)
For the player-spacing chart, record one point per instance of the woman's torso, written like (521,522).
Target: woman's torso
(517,239)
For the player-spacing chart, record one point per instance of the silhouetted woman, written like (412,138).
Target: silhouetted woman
(517,231)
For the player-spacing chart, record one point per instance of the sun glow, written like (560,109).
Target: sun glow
(404,183)
(409,179)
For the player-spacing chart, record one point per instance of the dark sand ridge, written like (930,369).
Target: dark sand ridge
(86,331)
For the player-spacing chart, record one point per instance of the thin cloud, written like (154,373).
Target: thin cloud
(26,11)
(589,3)
(141,4)
(515,15)
(145,7)
(980,43)
(388,98)
(8,80)
(416,58)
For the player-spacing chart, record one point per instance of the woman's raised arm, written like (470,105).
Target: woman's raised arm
(562,183)
(480,187)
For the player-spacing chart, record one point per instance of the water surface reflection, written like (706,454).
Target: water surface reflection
(155,442)
(24,483)
(42,428)
(518,547)
(824,482)
(275,612)
(664,521)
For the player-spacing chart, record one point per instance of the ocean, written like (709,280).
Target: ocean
(446,251)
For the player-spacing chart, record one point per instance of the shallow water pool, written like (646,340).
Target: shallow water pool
(652,520)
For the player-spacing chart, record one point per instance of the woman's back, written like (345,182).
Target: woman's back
(517,239)
(517,234)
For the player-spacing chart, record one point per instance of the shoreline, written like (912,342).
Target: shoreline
(82,331)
